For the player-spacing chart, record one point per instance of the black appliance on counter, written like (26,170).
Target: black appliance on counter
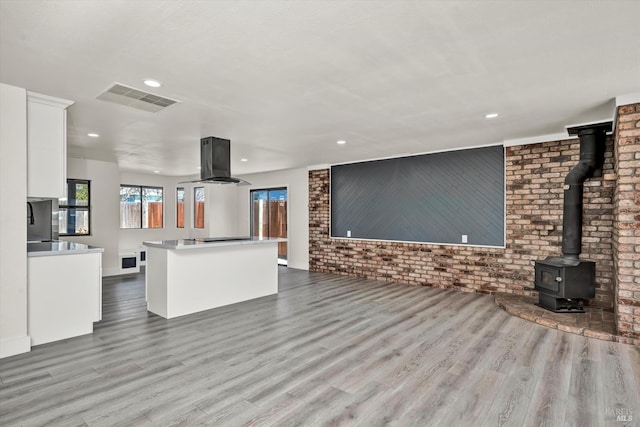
(42,220)
(563,283)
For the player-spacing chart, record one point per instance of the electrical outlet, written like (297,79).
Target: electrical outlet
(348,233)
(465,238)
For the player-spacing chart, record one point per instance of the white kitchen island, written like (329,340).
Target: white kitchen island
(192,275)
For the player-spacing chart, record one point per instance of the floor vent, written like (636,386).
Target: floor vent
(135,98)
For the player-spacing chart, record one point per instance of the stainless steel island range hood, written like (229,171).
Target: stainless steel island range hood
(215,162)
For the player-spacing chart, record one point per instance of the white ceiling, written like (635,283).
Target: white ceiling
(284,80)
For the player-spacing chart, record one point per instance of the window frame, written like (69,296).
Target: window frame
(184,194)
(195,208)
(141,188)
(75,207)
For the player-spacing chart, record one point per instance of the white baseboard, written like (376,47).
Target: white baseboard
(13,346)
(107,272)
(110,272)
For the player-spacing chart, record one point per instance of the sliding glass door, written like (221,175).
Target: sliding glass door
(269,217)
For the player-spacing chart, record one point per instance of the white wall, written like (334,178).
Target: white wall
(13,222)
(221,217)
(105,213)
(297,183)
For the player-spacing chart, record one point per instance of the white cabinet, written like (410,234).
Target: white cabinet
(64,296)
(46,145)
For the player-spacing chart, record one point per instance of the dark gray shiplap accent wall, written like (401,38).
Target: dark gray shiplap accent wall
(432,198)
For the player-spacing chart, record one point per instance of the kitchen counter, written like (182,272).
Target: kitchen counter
(192,275)
(60,247)
(210,242)
(64,293)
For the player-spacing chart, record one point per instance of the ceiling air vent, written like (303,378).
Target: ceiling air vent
(136,98)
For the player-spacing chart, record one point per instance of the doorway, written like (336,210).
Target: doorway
(269,217)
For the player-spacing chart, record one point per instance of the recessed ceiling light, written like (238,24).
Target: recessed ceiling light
(243,160)
(156,171)
(93,135)
(341,142)
(152,83)
(491,115)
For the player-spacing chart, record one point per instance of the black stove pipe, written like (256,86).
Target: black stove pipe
(592,140)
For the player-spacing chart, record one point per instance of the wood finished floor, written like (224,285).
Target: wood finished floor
(327,350)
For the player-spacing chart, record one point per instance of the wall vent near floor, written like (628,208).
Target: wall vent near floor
(129,263)
(135,98)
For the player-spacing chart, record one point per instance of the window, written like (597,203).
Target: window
(198,207)
(73,213)
(140,207)
(180,207)
(269,217)
(130,207)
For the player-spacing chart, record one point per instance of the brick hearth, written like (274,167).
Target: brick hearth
(596,322)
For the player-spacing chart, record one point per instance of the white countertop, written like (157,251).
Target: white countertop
(60,247)
(210,242)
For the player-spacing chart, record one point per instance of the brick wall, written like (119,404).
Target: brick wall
(534,191)
(626,232)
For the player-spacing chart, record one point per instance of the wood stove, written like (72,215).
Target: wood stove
(563,283)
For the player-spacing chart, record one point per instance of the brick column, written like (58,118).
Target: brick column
(626,230)
(319,247)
